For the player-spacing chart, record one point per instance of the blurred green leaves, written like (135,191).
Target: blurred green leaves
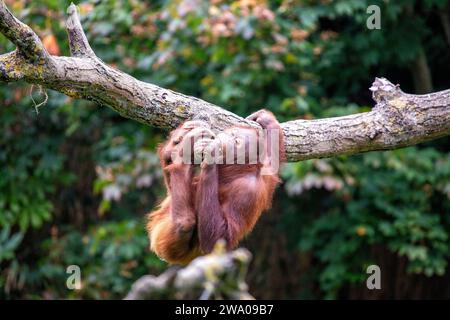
(8,243)
(395,199)
(110,255)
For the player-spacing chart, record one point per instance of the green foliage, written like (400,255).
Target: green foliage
(29,170)
(111,256)
(76,179)
(398,199)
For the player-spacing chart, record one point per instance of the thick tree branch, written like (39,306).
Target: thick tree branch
(11,66)
(397,120)
(21,35)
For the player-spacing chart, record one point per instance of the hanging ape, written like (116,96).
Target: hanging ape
(214,201)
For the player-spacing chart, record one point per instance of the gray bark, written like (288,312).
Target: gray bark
(219,275)
(397,120)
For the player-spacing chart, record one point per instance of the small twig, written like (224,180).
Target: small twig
(78,42)
(41,91)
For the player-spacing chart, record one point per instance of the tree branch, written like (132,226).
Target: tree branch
(397,120)
(78,43)
(219,275)
(21,35)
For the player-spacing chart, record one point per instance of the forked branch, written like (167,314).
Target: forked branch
(397,120)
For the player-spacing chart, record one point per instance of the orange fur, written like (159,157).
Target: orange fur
(222,201)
